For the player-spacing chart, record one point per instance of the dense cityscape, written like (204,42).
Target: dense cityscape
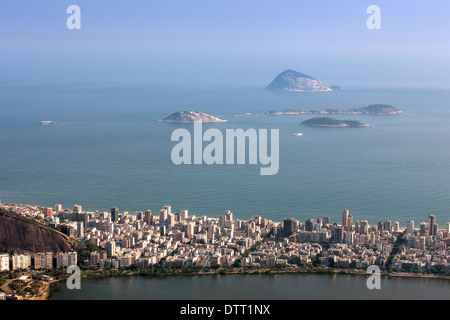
(177,240)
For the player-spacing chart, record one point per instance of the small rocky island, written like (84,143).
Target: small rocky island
(293,81)
(331,122)
(374,109)
(192,116)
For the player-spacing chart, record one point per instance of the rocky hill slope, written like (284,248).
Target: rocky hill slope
(20,234)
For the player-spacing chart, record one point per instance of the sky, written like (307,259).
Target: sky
(233,42)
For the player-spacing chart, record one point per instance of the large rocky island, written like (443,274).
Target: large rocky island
(192,116)
(374,109)
(331,122)
(293,81)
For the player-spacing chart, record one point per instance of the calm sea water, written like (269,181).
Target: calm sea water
(254,287)
(111,150)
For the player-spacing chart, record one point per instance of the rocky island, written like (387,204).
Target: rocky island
(331,122)
(374,109)
(293,81)
(192,116)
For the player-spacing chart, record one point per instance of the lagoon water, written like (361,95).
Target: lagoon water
(254,287)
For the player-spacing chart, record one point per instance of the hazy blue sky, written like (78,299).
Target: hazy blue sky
(224,42)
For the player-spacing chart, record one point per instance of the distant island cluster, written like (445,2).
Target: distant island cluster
(293,81)
(289,81)
(376,109)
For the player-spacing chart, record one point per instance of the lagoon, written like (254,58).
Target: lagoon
(254,287)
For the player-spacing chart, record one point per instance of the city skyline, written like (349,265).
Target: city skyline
(177,242)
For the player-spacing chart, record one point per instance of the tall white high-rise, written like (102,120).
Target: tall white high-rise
(168,208)
(190,229)
(148,216)
(396,227)
(4,262)
(110,248)
(171,219)
(410,226)
(349,222)
(163,214)
(349,237)
(344,218)
(364,227)
(184,214)
(431,223)
(422,245)
(387,225)
(72,259)
(222,219)
(423,228)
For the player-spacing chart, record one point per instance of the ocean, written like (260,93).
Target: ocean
(110,149)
